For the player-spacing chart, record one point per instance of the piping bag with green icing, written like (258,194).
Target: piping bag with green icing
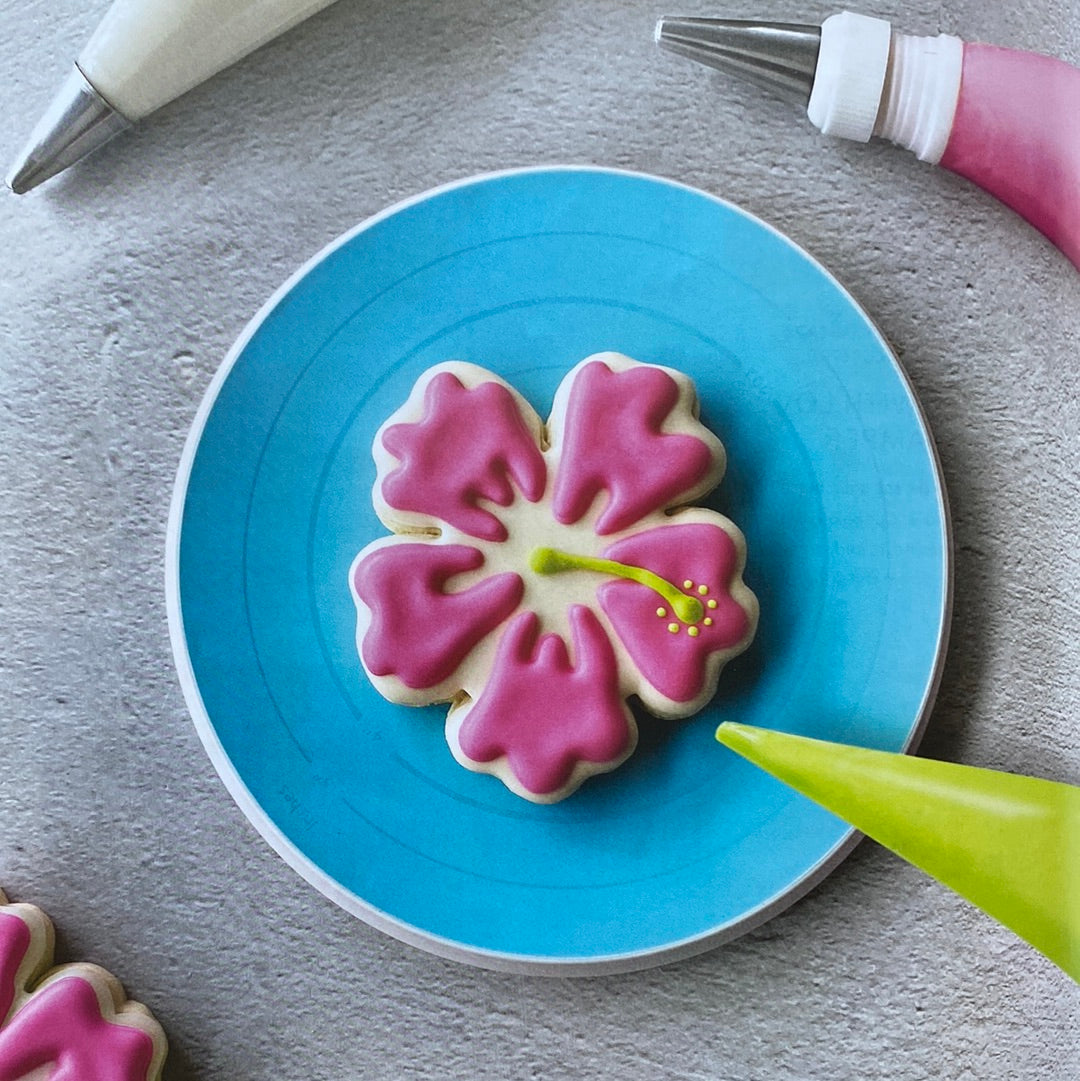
(1007,843)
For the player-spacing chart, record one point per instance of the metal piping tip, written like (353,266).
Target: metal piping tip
(781,56)
(78,121)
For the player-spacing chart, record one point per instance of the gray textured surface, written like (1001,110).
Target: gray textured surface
(123,284)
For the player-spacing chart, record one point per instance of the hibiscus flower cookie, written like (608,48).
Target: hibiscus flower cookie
(71,1022)
(539,576)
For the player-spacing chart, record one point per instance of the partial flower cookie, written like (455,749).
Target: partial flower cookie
(71,1023)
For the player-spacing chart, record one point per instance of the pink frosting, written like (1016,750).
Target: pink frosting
(544,713)
(700,553)
(1016,134)
(470,445)
(14,942)
(62,1025)
(613,443)
(419,632)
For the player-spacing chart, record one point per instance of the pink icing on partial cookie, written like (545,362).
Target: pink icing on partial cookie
(77,1024)
(469,445)
(62,1024)
(517,716)
(419,632)
(615,443)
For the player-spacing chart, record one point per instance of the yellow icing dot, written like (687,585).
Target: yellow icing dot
(687,584)
(703,590)
(707,621)
(693,632)
(711,603)
(673,627)
(661,612)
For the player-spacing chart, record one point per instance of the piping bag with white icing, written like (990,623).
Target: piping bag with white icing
(1005,119)
(144,54)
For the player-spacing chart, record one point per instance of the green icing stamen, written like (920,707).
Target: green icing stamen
(554,561)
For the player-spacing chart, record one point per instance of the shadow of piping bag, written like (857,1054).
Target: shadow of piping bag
(1009,844)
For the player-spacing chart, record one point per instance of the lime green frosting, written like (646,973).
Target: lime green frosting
(554,561)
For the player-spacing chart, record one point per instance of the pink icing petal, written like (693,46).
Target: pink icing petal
(544,714)
(403,585)
(62,1024)
(675,664)
(469,445)
(14,942)
(613,442)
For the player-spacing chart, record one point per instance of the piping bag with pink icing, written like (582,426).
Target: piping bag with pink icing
(1007,120)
